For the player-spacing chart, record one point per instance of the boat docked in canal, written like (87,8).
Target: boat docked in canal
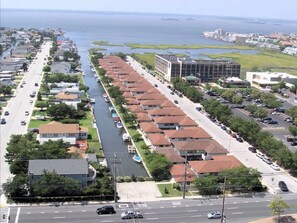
(92,100)
(131,149)
(106,100)
(104,95)
(111,109)
(126,137)
(137,158)
(119,125)
(114,114)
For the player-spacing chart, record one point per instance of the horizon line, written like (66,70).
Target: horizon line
(147,13)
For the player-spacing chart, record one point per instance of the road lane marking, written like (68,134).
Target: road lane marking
(107,221)
(152,218)
(70,211)
(187,205)
(162,207)
(59,217)
(234,202)
(42,212)
(237,213)
(150,213)
(196,216)
(231,208)
(83,210)
(17,215)
(56,212)
(191,210)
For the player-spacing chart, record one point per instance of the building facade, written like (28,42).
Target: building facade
(171,67)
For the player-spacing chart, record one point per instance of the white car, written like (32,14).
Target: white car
(26,113)
(214,215)
(260,155)
(275,167)
(131,214)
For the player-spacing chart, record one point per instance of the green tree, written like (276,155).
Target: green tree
(278,206)
(53,150)
(261,113)
(293,130)
(292,112)
(41,104)
(130,118)
(236,99)
(51,184)
(251,108)
(61,111)
(5,90)
(228,94)
(46,69)
(207,185)
(17,186)
(159,166)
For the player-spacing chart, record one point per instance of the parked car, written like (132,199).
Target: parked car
(21,86)
(281,110)
(175,101)
(131,214)
(266,119)
(171,92)
(294,143)
(3,121)
(275,167)
(26,113)
(272,122)
(223,127)
(252,149)
(288,119)
(214,215)
(267,160)
(107,209)
(291,139)
(23,122)
(260,155)
(36,84)
(283,186)
(6,113)
(239,139)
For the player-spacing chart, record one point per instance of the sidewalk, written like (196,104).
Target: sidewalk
(286,219)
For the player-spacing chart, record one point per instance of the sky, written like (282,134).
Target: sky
(279,9)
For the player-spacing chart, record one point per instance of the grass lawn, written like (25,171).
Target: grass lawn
(40,113)
(105,43)
(263,60)
(172,46)
(149,58)
(171,192)
(36,123)
(96,49)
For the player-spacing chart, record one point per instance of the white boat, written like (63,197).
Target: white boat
(83,73)
(92,100)
(137,158)
(106,100)
(119,125)
(126,137)
(111,109)
(93,69)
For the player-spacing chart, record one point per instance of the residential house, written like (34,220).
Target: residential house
(60,67)
(174,122)
(77,169)
(68,99)
(57,130)
(189,134)
(199,149)
(171,155)
(214,166)
(177,172)
(149,128)
(158,140)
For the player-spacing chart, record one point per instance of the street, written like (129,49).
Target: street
(270,177)
(19,104)
(237,209)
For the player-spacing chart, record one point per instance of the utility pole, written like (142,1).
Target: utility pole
(185,176)
(114,162)
(223,219)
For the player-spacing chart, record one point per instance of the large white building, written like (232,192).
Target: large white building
(268,79)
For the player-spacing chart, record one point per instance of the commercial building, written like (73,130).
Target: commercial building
(170,67)
(269,79)
(233,82)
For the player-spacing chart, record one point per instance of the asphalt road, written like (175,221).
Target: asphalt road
(237,210)
(19,104)
(270,177)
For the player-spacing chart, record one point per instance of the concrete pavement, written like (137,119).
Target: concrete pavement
(270,177)
(17,107)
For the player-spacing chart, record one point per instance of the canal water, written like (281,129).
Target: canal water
(111,136)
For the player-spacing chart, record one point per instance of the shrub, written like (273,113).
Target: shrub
(166,190)
(148,179)
(176,186)
(133,178)
(127,179)
(140,179)
(120,179)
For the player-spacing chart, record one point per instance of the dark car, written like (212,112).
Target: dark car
(6,113)
(108,209)
(3,121)
(281,110)
(36,84)
(283,186)
(175,101)
(180,95)
(294,143)
(155,85)
(252,149)
(266,119)
(239,139)
(272,122)
(171,92)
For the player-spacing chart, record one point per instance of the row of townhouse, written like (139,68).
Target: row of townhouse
(166,127)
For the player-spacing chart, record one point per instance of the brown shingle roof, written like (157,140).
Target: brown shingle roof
(60,128)
(171,155)
(136,109)
(209,146)
(178,171)
(66,96)
(150,97)
(158,139)
(175,111)
(194,133)
(143,117)
(149,127)
(217,165)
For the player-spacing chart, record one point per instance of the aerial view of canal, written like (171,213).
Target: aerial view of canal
(111,136)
